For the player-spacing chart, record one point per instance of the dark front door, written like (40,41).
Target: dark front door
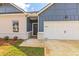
(35,29)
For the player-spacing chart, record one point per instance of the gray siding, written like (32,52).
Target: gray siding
(29,25)
(8,8)
(59,12)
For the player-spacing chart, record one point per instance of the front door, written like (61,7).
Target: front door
(34,29)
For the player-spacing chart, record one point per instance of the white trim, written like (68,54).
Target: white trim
(32,28)
(38,27)
(40,35)
(17,7)
(45,8)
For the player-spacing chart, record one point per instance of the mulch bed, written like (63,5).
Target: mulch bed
(4,42)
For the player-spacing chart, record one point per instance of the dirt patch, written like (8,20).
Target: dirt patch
(4,42)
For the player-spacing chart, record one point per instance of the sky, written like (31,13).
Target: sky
(29,7)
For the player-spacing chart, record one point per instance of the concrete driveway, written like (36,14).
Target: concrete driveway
(55,47)
(62,48)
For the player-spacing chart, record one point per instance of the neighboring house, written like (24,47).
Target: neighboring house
(54,21)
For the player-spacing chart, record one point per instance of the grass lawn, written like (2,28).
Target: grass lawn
(12,48)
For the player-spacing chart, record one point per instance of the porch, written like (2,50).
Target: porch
(32,25)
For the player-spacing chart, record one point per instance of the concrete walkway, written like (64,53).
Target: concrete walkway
(33,43)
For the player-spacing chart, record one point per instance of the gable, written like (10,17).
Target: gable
(8,8)
(44,8)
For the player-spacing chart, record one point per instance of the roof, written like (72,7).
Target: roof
(17,7)
(46,7)
(37,12)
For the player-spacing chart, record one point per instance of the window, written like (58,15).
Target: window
(15,26)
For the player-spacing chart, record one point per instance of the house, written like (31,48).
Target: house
(54,21)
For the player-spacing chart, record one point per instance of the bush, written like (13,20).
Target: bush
(15,38)
(6,37)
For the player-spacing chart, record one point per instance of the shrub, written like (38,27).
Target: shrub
(15,38)
(6,37)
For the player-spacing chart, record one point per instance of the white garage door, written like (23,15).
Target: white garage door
(61,29)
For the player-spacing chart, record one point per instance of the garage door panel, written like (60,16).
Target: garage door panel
(72,27)
(61,30)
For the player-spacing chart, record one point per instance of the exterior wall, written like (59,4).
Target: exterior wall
(59,12)
(40,35)
(7,8)
(6,25)
(29,26)
(29,34)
